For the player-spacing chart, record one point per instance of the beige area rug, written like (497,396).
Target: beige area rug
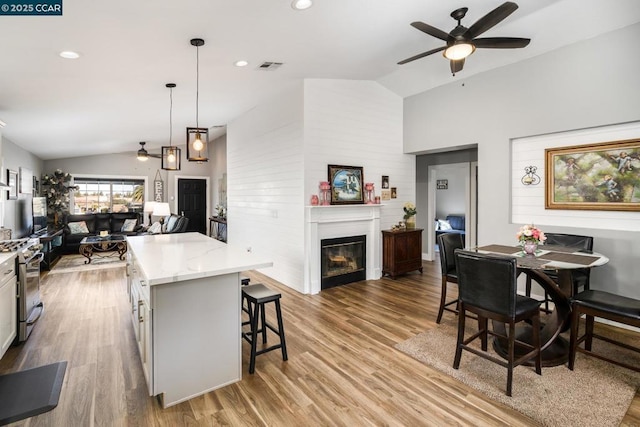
(596,393)
(75,263)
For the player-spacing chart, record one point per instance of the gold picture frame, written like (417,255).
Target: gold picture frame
(601,176)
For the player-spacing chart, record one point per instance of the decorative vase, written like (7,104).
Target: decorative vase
(411,222)
(530,248)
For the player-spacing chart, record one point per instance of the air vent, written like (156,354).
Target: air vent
(269,65)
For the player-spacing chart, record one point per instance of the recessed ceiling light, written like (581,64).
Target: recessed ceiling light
(69,54)
(301,4)
(241,63)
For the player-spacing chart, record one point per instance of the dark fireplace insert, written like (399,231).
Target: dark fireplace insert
(343,260)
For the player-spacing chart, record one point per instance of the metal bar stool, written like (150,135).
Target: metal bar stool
(605,305)
(257,296)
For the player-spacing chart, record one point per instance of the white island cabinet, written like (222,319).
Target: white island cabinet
(184,291)
(8,301)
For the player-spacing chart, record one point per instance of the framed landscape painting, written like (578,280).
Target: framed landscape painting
(346,185)
(602,176)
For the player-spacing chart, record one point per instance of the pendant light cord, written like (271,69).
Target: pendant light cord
(170,115)
(197,82)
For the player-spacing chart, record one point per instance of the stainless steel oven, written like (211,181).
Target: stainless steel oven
(28,268)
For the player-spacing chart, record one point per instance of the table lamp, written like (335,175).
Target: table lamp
(161,209)
(148,209)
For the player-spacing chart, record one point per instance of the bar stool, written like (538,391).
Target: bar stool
(257,296)
(593,303)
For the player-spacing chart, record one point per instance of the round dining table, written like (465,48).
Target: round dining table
(562,261)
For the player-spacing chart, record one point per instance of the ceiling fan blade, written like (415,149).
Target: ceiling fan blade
(500,42)
(490,19)
(456,66)
(432,31)
(422,55)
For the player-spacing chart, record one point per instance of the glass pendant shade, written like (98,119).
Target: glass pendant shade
(170,158)
(198,144)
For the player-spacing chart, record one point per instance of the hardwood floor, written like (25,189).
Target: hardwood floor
(342,368)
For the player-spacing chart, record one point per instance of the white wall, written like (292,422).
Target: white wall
(14,158)
(575,87)
(279,151)
(451,201)
(357,123)
(265,184)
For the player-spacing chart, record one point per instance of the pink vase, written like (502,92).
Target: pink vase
(530,248)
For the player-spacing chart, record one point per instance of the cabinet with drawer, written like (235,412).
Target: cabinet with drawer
(401,251)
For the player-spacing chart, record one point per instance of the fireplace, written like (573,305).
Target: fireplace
(335,222)
(343,260)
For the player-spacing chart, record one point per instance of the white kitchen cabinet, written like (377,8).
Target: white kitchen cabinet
(141,316)
(8,304)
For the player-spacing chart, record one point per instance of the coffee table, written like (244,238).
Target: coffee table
(92,244)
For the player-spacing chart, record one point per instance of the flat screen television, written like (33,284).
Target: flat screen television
(39,214)
(24,217)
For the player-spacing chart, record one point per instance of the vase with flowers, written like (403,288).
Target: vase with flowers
(530,237)
(57,190)
(410,215)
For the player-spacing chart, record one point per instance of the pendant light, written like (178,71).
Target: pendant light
(170,154)
(197,137)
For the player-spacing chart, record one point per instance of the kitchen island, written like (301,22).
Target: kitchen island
(184,291)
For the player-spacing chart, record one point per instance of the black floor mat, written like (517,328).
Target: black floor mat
(30,392)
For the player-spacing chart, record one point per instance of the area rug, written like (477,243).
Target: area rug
(596,393)
(75,263)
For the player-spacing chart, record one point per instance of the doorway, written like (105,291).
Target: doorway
(457,172)
(192,203)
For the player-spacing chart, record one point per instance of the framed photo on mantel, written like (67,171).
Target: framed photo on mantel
(346,185)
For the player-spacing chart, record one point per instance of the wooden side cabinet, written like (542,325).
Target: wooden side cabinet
(401,251)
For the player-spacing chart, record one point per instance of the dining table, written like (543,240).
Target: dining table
(560,260)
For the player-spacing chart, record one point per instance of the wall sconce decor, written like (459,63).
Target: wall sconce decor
(170,154)
(530,177)
(197,137)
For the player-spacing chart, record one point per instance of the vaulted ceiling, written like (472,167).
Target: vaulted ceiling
(114,95)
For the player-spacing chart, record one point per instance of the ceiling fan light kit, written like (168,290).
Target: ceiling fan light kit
(197,137)
(462,41)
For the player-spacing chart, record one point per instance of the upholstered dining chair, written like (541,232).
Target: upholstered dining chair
(580,276)
(488,286)
(448,243)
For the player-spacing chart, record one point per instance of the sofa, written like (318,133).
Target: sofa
(123,223)
(452,224)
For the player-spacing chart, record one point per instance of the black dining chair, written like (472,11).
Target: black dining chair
(488,287)
(580,276)
(448,243)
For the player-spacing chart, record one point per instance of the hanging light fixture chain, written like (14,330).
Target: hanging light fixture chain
(197,83)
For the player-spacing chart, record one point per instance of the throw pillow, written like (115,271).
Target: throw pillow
(129,225)
(78,227)
(444,224)
(155,228)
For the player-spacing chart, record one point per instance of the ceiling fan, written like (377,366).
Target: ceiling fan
(462,41)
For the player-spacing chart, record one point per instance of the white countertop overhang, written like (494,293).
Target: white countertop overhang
(166,258)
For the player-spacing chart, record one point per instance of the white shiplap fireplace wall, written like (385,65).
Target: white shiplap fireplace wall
(278,152)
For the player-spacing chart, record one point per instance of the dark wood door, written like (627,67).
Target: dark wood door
(192,203)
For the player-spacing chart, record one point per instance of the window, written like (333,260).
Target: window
(108,195)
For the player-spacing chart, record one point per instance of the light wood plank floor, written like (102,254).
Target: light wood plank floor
(342,368)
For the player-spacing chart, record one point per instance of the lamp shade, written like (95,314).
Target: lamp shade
(149,206)
(161,209)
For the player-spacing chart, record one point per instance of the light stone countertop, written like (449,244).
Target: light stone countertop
(166,258)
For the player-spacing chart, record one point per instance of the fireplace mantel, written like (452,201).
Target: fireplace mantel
(326,222)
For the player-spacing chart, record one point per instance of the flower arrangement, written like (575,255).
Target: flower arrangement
(57,190)
(531,234)
(409,210)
